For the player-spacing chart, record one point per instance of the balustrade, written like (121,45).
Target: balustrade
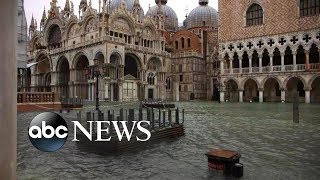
(35,97)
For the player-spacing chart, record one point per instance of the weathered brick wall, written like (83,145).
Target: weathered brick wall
(280,16)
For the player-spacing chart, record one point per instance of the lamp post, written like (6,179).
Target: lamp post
(97,69)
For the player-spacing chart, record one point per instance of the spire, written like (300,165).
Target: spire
(90,3)
(44,16)
(31,23)
(203,2)
(67,6)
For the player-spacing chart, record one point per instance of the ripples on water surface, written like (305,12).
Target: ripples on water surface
(272,147)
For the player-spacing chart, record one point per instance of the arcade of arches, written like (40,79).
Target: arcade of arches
(271,89)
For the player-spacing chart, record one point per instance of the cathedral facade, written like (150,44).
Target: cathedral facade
(134,55)
(269,50)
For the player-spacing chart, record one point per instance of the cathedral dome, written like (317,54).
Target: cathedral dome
(203,15)
(170,16)
(116,3)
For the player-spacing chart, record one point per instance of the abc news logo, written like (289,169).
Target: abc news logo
(48,131)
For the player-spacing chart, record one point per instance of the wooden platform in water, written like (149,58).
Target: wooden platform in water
(116,146)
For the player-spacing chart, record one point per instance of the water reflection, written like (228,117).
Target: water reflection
(272,147)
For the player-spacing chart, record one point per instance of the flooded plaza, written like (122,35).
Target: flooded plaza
(271,145)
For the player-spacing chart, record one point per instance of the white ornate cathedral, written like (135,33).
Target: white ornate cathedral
(139,56)
(250,53)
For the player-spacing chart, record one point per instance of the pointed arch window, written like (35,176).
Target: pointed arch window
(254,15)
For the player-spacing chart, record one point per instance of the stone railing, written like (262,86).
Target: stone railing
(37,97)
(301,67)
(267,69)
(288,67)
(146,49)
(314,66)
(245,70)
(276,68)
(255,69)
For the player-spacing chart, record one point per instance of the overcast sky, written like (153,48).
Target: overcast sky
(35,7)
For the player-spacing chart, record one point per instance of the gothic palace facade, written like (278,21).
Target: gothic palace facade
(269,49)
(264,51)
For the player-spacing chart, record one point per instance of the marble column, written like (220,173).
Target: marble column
(294,58)
(8,90)
(231,66)
(260,95)
(307,60)
(271,62)
(241,96)
(260,63)
(221,67)
(120,92)
(111,92)
(307,96)
(176,92)
(106,88)
(240,64)
(283,95)
(93,92)
(250,63)
(90,93)
(221,96)
(282,61)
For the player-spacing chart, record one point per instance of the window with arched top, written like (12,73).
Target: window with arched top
(309,7)
(151,78)
(254,15)
(189,42)
(182,43)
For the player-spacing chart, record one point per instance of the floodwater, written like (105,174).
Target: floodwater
(271,145)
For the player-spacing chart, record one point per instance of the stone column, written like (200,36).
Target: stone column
(250,63)
(283,95)
(231,66)
(260,63)
(8,90)
(221,66)
(221,96)
(271,62)
(93,92)
(282,61)
(120,91)
(111,92)
(240,64)
(241,96)
(90,93)
(307,60)
(294,57)
(106,86)
(307,96)
(260,95)
(176,92)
